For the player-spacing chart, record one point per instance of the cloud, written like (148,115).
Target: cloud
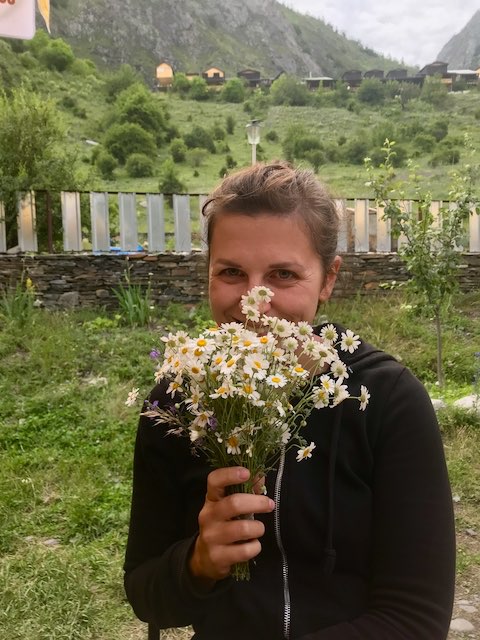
(411,30)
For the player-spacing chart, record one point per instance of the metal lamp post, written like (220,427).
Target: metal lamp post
(253,135)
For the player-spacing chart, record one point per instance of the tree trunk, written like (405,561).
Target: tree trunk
(438,326)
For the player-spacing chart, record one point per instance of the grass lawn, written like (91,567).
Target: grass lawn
(66,443)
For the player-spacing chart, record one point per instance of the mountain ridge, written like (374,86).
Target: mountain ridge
(263,34)
(462,51)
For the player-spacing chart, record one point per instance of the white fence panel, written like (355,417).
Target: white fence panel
(181,213)
(474,231)
(71,221)
(384,237)
(156,222)
(127,207)
(27,232)
(100,222)
(361,226)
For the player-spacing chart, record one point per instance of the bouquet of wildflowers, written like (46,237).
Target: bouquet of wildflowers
(242,395)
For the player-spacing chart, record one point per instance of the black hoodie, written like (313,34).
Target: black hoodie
(360,546)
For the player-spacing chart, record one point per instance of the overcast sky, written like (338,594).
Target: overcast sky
(410,30)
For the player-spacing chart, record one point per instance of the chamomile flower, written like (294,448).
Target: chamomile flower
(282,328)
(233,442)
(349,341)
(196,434)
(303,330)
(223,391)
(340,393)
(339,369)
(252,314)
(262,294)
(305,452)
(256,366)
(364,397)
(290,344)
(132,397)
(276,380)
(329,334)
(285,433)
(327,384)
(321,397)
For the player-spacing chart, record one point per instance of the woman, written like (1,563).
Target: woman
(355,543)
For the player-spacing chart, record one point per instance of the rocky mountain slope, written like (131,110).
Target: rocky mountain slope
(192,35)
(463,50)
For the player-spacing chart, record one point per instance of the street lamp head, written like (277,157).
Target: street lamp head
(253,131)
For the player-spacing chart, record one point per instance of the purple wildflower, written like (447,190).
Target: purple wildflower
(154,354)
(212,423)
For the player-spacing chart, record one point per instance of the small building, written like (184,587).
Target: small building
(396,74)
(353,78)
(164,75)
(436,68)
(214,76)
(468,76)
(314,83)
(251,77)
(190,75)
(374,73)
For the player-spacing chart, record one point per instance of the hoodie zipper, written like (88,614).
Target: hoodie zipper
(286,591)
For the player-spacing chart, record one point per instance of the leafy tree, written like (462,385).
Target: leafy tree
(57,55)
(181,84)
(199,89)
(371,91)
(424,142)
(178,149)
(434,92)
(33,154)
(121,140)
(289,91)
(341,94)
(137,105)
(169,180)
(39,42)
(199,137)
(233,91)
(106,164)
(439,129)
(120,80)
(218,133)
(355,150)
(196,157)
(430,251)
(139,165)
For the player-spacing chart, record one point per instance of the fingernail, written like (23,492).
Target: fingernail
(243,474)
(271,504)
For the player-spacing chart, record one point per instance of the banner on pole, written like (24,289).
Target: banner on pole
(17,19)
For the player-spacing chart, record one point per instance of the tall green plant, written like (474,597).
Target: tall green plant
(432,246)
(134,301)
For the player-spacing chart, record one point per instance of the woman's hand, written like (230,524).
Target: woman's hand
(223,539)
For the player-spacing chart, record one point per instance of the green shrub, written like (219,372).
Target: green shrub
(425,142)
(233,91)
(218,133)
(230,124)
(271,136)
(105,163)
(199,137)
(169,180)
(199,89)
(178,150)
(57,55)
(121,140)
(135,302)
(139,165)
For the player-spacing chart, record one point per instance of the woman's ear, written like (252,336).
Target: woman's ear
(329,280)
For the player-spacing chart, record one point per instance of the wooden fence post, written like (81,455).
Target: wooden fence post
(27,232)
(71,221)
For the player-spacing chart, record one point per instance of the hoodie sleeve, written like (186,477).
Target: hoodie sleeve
(157,580)
(413,544)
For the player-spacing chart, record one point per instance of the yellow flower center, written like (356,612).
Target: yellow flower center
(201,342)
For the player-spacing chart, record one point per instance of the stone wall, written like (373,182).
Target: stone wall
(87,280)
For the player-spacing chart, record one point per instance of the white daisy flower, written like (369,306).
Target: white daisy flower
(339,369)
(196,434)
(256,366)
(223,391)
(320,397)
(262,294)
(349,341)
(340,393)
(196,395)
(252,314)
(201,419)
(282,328)
(290,344)
(305,452)
(327,384)
(298,371)
(329,334)
(303,330)
(285,433)
(233,443)
(227,368)
(276,380)
(132,397)
(364,397)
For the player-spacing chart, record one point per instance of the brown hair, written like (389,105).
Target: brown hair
(279,189)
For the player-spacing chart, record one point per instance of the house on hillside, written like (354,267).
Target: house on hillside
(467,76)
(164,75)
(314,83)
(436,68)
(374,73)
(214,76)
(396,74)
(267,82)
(353,78)
(251,77)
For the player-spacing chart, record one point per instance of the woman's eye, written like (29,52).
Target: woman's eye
(231,272)
(283,274)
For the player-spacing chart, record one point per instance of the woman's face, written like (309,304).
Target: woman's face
(270,250)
